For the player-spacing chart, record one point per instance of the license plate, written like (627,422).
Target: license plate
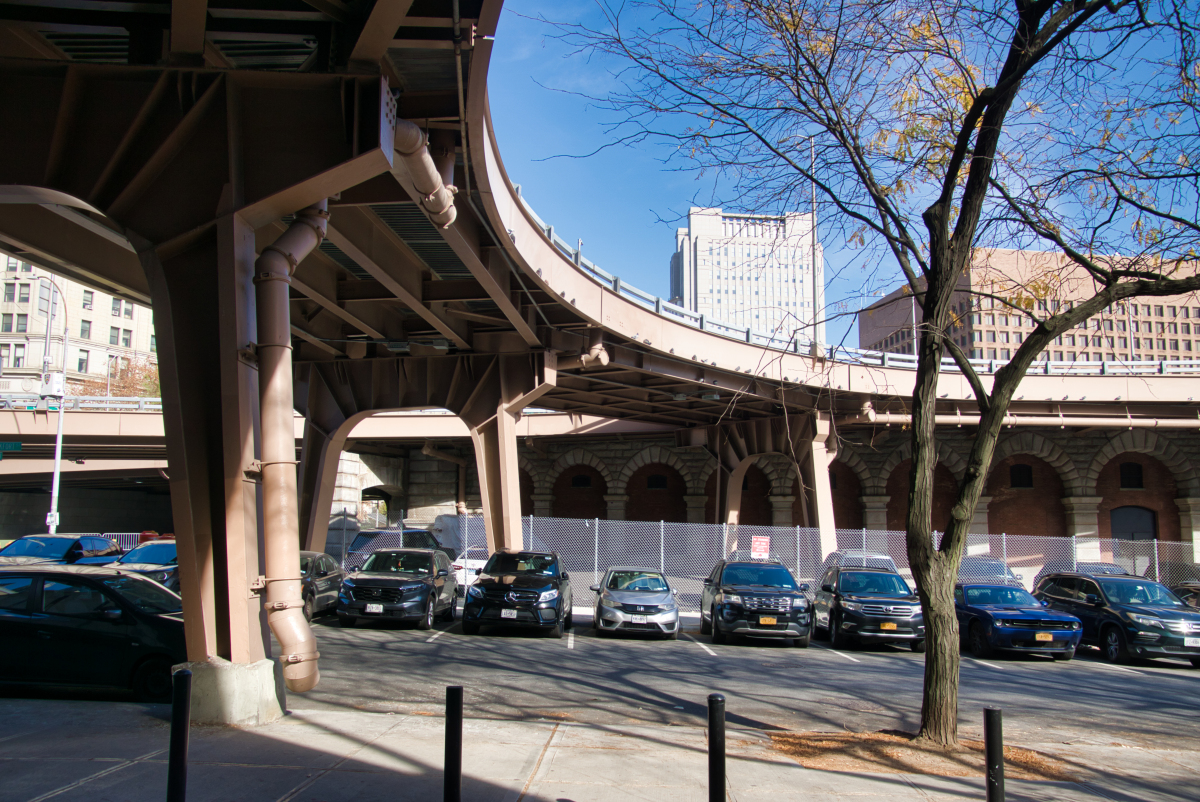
(1043,636)
(508,613)
(767,621)
(1192,642)
(888,625)
(638,619)
(374,608)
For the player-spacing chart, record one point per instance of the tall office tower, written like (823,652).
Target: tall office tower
(751,270)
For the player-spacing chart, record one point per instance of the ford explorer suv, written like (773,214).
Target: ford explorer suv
(756,598)
(855,605)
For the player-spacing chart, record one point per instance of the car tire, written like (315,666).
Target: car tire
(802,643)
(705,626)
(1196,662)
(917,646)
(308,608)
(1112,645)
(718,637)
(152,680)
(470,628)
(837,638)
(347,621)
(426,621)
(980,648)
(674,635)
(1063,657)
(451,610)
(556,631)
(569,622)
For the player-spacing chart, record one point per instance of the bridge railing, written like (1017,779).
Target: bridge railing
(87,403)
(839,353)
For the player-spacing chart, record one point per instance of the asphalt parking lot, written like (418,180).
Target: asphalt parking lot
(519,675)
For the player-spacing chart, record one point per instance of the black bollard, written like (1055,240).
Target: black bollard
(181,712)
(993,747)
(716,747)
(452,773)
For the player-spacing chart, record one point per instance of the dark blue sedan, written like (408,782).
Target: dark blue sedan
(62,549)
(995,617)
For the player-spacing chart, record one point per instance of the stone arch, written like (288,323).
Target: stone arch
(1143,441)
(856,464)
(877,484)
(577,456)
(780,471)
(1036,445)
(645,457)
(701,483)
(541,484)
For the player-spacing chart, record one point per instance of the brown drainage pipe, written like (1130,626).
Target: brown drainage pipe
(429,451)
(281,526)
(596,356)
(437,197)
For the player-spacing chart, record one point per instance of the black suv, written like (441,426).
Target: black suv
(1125,616)
(520,588)
(760,598)
(868,604)
(399,585)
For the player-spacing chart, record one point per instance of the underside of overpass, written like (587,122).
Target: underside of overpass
(310,196)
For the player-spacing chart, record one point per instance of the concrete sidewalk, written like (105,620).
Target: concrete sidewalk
(100,751)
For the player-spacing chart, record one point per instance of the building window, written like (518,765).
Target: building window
(1174,345)
(18,356)
(1131,476)
(114,335)
(85,329)
(3,356)
(87,299)
(23,294)
(153,344)
(127,338)
(83,361)
(10,293)
(6,323)
(1058,356)
(1158,311)
(1170,311)
(1020,476)
(116,309)
(129,310)
(12,265)
(22,323)
(991,353)
(656,481)
(581,480)
(26,267)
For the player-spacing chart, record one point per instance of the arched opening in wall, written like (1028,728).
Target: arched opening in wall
(380,506)
(847,497)
(579,493)
(945,491)
(1135,480)
(756,499)
(1133,523)
(656,493)
(1026,495)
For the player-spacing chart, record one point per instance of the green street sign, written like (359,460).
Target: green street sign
(10,446)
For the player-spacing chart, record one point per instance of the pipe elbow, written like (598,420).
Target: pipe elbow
(298,646)
(409,138)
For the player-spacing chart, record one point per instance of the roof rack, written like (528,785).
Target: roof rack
(745,555)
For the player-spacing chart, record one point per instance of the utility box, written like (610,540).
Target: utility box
(54,385)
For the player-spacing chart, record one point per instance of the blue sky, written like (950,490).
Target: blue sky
(623,202)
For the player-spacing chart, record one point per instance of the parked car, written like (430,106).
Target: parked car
(520,588)
(999,617)
(868,604)
(321,579)
(370,541)
(89,626)
(399,585)
(1126,616)
(857,558)
(1173,572)
(156,559)
(1189,592)
(758,598)
(1060,565)
(66,549)
(636,600)
(467,565)
(984,570)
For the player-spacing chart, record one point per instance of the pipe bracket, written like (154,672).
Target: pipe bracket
(298,658)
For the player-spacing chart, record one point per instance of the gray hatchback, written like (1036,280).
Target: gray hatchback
(636,600)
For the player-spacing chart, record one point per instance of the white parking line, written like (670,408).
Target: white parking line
(839,654)
(570,640)
(1115,668)
(981,663)
(436,635)
(703,646)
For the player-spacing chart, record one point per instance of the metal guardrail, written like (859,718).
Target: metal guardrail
(838,353)
(82,403)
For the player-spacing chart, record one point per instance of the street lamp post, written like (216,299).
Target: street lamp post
(59,390)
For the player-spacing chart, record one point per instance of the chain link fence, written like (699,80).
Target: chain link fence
(687,552)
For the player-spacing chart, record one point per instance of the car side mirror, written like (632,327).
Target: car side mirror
(112,615)
(566,575)
(827,588)
(474,571)
(804,588)
(594,588)
(707,581)
(443,572)
(674,591)
(322,573)
(1045,602)
(1092,598)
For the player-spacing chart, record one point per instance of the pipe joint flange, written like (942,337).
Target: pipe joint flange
(284,605)
(267,275)
(318,229)
(299,658)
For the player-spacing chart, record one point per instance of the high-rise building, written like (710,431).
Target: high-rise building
(107,334)
(987,326)
(751,270)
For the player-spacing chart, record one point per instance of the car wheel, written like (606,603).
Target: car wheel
(451,609)
(426,621)
(556,631)
(718,636)
(672,635)
(980,648)
(802,643)
(308,608)
(705,626)
(152,680)
(837,638)
(570,620)
(347,621)
(918,646)
(1063,657)
(1112,645)
(470,628)
(1196,662)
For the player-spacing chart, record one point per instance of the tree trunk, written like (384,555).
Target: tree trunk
(939,710)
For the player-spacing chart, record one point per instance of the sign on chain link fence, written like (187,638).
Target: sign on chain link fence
(687,552)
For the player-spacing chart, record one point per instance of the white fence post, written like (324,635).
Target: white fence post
(864,548)
(662,547)
(596,553)
(1157,575)
(724,540)
(1074,554)
(1004,547)
(797,550)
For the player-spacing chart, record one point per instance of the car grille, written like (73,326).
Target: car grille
(1039,624)
(647,609)
(370,594)
(777,604)
(1183,627)
(494,594)
(630,625)
(891,611)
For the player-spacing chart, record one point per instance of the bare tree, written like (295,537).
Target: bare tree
(135,378)
(940,126)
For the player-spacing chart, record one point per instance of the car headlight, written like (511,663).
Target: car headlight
(853,607)
(667,606)
(1076,625)
(474,592)
(728,598)
(1146,621)
(163,576)
(607,602)
(548,595)
(799,603)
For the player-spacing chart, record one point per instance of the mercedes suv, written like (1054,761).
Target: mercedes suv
(868,604)
(520,588)
(759,598)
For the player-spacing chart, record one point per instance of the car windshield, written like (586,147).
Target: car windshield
(52,547)
(521,563)
(1134,592)
(147,596)
(154,553)
(873,582)
(400,562)
(1013,596)
(771,576)
(650,581)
